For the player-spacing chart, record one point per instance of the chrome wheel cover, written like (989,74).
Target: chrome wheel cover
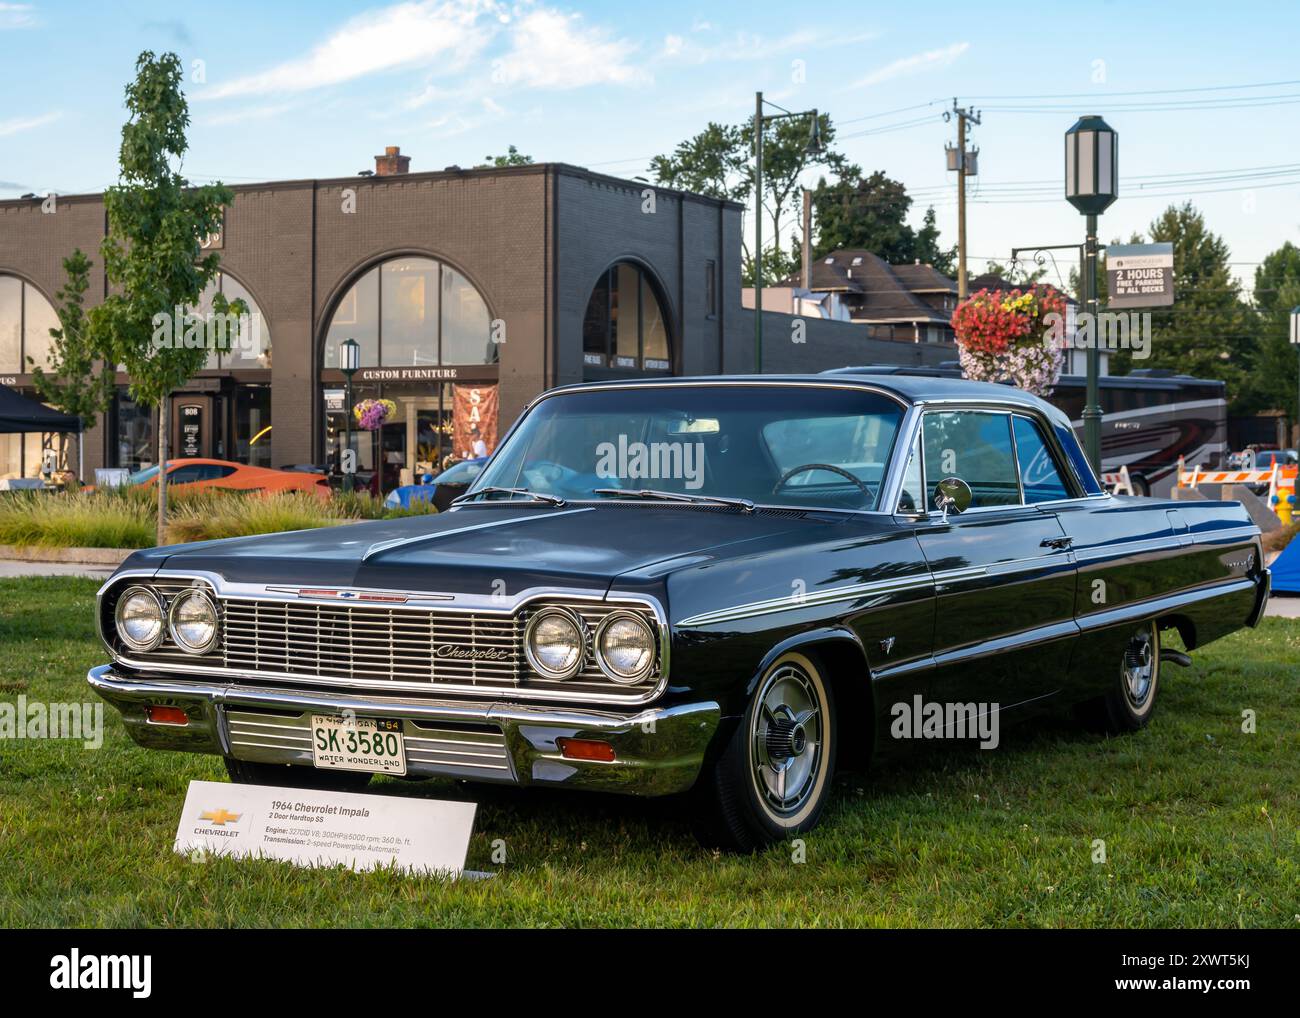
(785,740)
(1139,669)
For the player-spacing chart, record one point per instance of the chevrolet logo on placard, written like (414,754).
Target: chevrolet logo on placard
(220,817)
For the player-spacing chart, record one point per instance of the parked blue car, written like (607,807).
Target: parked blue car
(439,490)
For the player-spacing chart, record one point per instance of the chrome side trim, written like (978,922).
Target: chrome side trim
(856,591)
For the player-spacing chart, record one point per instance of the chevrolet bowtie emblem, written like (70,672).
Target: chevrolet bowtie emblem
(220,817)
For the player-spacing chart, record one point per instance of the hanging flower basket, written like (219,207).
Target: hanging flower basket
(371,413)
(1017,335)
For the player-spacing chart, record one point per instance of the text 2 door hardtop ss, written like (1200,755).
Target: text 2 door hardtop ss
(714,586)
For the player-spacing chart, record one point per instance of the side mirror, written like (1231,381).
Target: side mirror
(952,493)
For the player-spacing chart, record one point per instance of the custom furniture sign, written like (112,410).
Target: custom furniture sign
(1140,275)
(315,828)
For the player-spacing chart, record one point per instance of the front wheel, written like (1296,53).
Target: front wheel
(246,772)
(774,776)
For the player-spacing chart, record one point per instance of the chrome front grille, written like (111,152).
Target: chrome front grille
(381,647)
(370,644)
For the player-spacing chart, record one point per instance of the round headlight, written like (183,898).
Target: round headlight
(139,618)
(193,621)
(555,643)
(625,648)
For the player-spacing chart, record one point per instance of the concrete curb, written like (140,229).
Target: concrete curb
(80,556)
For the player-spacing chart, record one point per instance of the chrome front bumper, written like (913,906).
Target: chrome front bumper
(657,751)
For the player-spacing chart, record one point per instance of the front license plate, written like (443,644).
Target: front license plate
(357,744)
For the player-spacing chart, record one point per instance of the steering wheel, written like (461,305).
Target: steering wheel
(867,493)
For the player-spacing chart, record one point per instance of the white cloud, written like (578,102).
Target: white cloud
(404,35)
(751,46)
(911,65)
(240,116)
(543,47)
(551,49)
(17,16)
(16,124)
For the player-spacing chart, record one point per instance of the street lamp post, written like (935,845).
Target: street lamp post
(1091,186)
(814,148)
(349,361)
(1295,341)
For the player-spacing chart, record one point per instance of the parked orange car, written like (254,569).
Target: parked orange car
(202,474)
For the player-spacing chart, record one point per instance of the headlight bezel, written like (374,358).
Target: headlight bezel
(584,642)
(120,630)
(652,638)
(178,601)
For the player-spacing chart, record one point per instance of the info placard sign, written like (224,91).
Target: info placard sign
(1140,275)
(311,828)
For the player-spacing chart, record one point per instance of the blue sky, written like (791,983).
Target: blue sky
(289,90)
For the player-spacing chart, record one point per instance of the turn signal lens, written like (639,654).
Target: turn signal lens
(586,749)
(160,715)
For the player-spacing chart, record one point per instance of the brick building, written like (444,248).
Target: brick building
(469,292)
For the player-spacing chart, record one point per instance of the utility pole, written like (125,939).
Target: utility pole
(758,233)
(965,164)
(807,239)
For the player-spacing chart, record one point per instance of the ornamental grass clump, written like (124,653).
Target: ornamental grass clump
(82,520)
(209,518)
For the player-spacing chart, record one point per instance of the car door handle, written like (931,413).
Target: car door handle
(1056,542)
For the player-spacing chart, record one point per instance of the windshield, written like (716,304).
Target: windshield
(806,446)
(140,476)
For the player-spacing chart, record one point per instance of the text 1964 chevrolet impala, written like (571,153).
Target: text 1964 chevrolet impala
(715,586)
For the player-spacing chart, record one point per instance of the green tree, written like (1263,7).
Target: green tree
(1210,330)
(152,251)
(73,384)
(513,157)
(928,250)
(719,161)
(1273,383)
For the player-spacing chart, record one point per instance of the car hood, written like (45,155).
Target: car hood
(472,548)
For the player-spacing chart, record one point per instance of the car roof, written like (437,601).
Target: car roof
(908,388)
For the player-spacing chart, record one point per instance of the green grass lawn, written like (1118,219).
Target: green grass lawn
(1200,823)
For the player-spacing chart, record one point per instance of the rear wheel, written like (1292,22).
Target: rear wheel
(246,772)
(774,776)
(1131,699)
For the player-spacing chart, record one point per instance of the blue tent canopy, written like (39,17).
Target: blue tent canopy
(1286,569)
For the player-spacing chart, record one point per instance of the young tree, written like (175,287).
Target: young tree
(72,384)
(152,250)
(719,161)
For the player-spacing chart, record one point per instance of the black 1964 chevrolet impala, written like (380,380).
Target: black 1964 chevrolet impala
(717,586)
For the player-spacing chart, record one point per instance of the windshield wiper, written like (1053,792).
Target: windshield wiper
(677,496)
(536,496)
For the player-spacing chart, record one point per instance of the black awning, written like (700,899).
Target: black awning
(18,413)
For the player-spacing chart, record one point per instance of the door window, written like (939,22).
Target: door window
(1039,473)
(974,445)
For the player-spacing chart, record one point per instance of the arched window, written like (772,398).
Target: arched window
(26,319)
(625,327)
(412,312)
(253,348)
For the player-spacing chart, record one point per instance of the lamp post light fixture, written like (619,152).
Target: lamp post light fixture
(1091,186)
(349,362)
(814,147)
(1295,341)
